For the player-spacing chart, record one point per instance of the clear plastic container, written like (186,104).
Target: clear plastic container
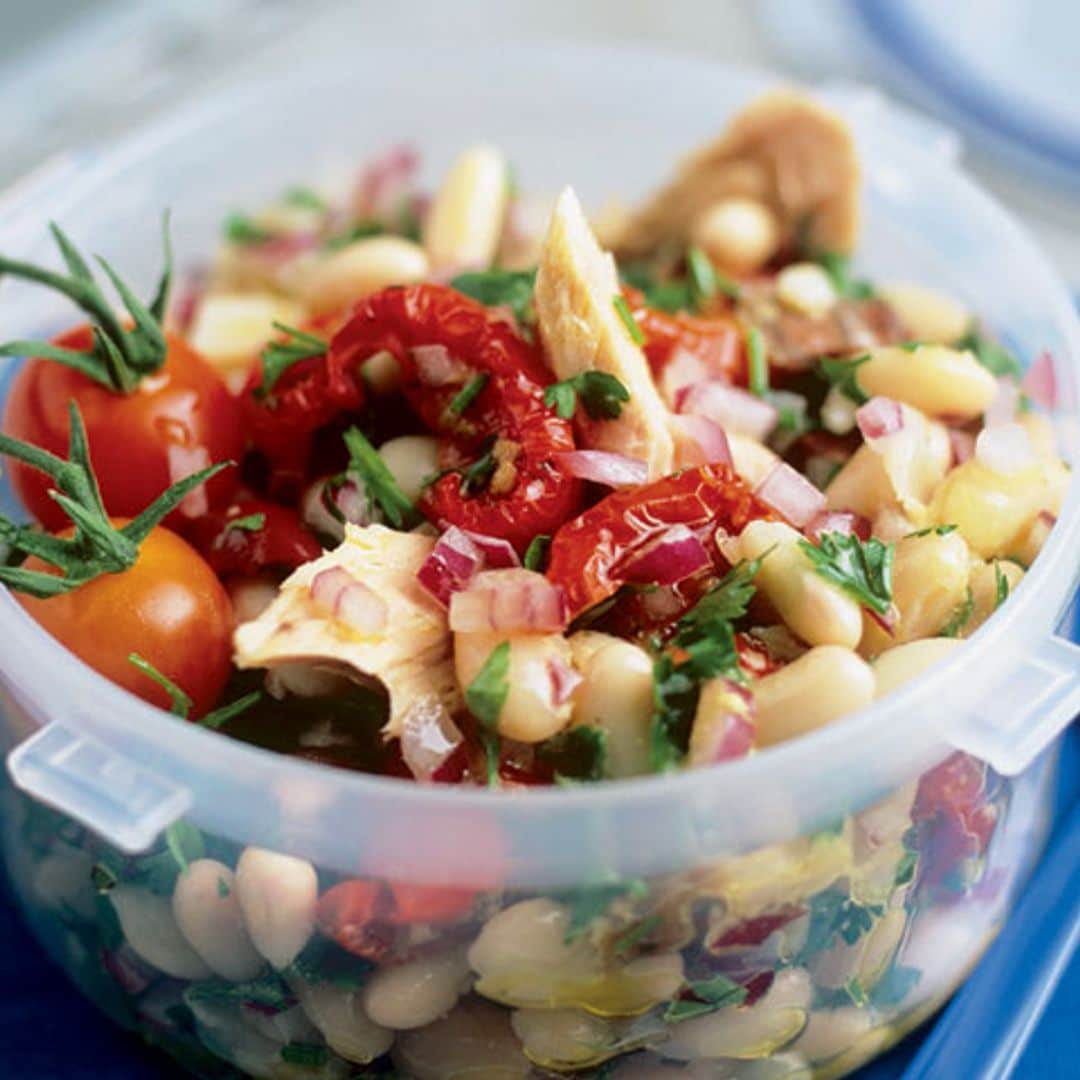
(821,897)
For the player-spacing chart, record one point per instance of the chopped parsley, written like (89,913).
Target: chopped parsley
(833,914)
(937,530)
(180,701)
(994,357)
(468,393)
(960,617)
(843,375)
(485,697)
(862,568)
(706,996)
(475,477)
(378,482)
(638,932)
(589,902)
(240,229)
(303,197)
(268,992)
(792,413)
(324,961)
(757,362)
(536,554)
(578,753)
(360,230)
(310,1054)
(601,395)
(222,888)
(669,296)
(838,267)
(248,523)
(500,288)
(1001,586)
(279,356)
(725,602)
(622,309)
(703,280)
(894,986)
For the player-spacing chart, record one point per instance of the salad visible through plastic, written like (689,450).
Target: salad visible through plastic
(464,487)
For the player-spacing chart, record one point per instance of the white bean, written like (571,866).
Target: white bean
(562,1038)
(333,282)
(338,1014)
(417,992)
(935,379)
(150,929)
(806,288)
(927,314)
(826,683)
(465,221)
(62,882)
(832,1031)
(206,910)
(412,459)
(753,460)
(906,662)
(740,235)
(615,696)
(740,1033)
(277,895)
(530,713)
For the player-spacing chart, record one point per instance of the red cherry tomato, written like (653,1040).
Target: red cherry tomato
(587,553)
(252,535)
(168,607)
(527,494)
(177,421)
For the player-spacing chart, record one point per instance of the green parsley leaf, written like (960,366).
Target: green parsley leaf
(910,346)
(184,843)
(240,229)
(310,1054)
(222,888)
(622,309)
(757,362)
(248,523)
(475,476)
(500,288)
(360,230)
(960,617)
(843,374)
(726,601)
(279,356)
(366,464)
(833,913)
(793,414)
(486,695)
(586,903)
(536,554)
(937,530)
(669,296)
(905,868)
(304,197)
(863,569)
(994,357)
(468,393)
(181,702)
(704,281)
(894,987)
(709,995)
(220,716)
(639,931)
(579,753)
(1001,586)
(324,961)
(856,992)
(268,992)
(602,395)
(103,878)
(838,267)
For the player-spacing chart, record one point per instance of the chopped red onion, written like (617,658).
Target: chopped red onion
(708,437)
(436,367)
(384,182)
(887,622)
(683,369)
(453,562)
(514,601)
(564,681)
(1040,382)
(128,969)
(352,501)
(666,559)
(962,444)
(1006,401)
(349,601)
(838,521)
(498,554)
(879,417)
(614,470)
(1006,449)
(729,406)
(428,738)
(790,494)
(725,736)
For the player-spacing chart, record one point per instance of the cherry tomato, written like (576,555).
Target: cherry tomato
(168,607)
(717,341)
(525,494)
(177,421)
(251,535)
(587,553)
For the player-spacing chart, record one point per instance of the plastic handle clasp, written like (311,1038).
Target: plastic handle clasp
(125,803)
(1030,708)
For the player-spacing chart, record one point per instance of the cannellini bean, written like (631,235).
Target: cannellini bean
(838,412)
(338,1014)
(277,895)
(62,882)
(616,696)
(993,509)
(830,1032)
(930,579)
(381,373)
(1030,541)
(816,610)
(205,907)
(935,379)
(334,281)
(475,1042)
(826,683)
(892,524)
(530,713)
(562,1038)
(222,1029)
(906,662)
(1041,434)
(928,314)
(806,288)
(465,221)
(740,235)
(983,582)
(723,723)
(288,1025)
(251,597)
(753,460)
(150,929)
(412,459)
(417,992)
(740,1033)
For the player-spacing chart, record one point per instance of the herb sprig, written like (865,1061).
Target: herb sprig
(279,356)
(500,288)
(485,698)
(862,568)
(378,482)
(601,395)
